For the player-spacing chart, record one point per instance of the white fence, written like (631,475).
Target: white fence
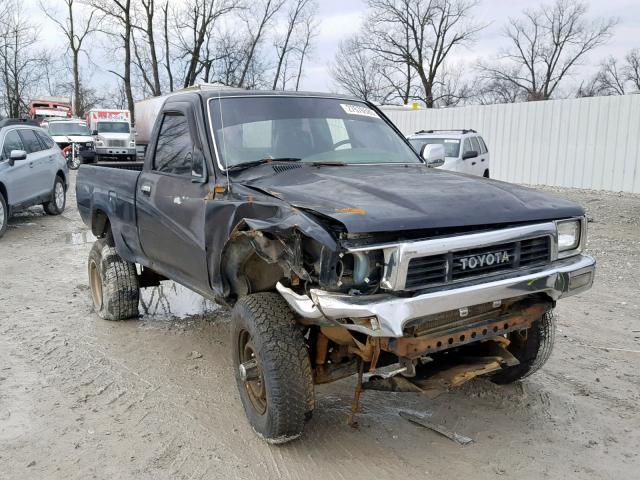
(584,142)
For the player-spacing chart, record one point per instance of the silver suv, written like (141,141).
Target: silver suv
(464,150)
(32,170)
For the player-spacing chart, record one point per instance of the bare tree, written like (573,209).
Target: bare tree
(167,51)
(632,68)
(21,61)
(146,29)
(76,29)
(285,45)
(610,79)
(420,34)
(266,9)
(120,15)
(357,71)
(546,46)
(310,32)
(199,18)
(490,90)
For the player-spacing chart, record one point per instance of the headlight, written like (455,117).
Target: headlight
(132,143)
(88,144)
(99,143)
(569,236)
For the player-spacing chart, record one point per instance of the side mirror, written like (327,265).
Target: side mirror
(469,154)
(16,155)
(94,133)
(433,155)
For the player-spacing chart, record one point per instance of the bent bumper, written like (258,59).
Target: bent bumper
(562,278)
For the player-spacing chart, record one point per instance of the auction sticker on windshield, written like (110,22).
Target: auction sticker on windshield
(358,110)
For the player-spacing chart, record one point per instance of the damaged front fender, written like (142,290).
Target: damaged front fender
(251,232)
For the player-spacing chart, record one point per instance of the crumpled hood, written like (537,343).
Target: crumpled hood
(393,198)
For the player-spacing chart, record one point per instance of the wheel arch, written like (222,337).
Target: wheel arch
(4,193)
(100,224)
(60,173)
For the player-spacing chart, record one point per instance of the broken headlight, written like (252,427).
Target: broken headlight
(360,270)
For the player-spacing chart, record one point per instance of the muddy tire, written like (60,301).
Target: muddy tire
(533,350)
(56,205)
(113,283)
(4,215)
(277,390)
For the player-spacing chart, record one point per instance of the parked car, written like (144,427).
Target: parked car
(32,170)
(114,138)
(75,140)
(465,150)
(339,249)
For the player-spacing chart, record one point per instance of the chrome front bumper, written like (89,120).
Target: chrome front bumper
(562,278)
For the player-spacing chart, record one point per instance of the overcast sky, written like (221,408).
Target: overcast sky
(341,18)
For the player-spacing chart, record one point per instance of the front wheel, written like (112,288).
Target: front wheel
(56,205)
(272,367)
(532,348)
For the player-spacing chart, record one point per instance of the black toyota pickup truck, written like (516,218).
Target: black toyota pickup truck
(341,252)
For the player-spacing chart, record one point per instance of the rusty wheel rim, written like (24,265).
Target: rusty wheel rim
(95,282)
(255,388)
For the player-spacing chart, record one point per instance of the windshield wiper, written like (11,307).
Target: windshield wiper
(328,163)
(253,163)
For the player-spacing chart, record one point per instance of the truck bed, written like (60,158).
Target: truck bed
(110,189)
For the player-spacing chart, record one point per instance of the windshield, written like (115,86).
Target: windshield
(451,145)
(311,129)
(113,127)
(67,128)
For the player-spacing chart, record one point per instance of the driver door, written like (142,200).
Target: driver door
(170,199)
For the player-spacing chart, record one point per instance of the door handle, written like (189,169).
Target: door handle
(473,163)
(146,189)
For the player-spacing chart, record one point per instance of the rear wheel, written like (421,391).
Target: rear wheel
(114,283)
(4,215)
(56,205)
(272,366)
(532,349)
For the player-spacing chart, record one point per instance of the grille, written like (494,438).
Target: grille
(462,265)
(426,271)
(116,143)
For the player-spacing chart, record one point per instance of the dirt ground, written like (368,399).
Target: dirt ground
(155,398)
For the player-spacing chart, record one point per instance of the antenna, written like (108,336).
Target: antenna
(224,144)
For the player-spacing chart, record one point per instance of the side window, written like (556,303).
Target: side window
(46,141)
(475,145)
(483,146)
(467,146)
(174,150)
(12,141)
(30,141)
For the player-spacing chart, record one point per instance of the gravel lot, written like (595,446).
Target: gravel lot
(154,397)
